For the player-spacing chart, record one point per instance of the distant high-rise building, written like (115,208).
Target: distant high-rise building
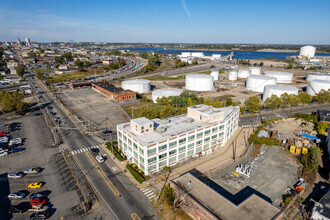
(27,42)
(18,42)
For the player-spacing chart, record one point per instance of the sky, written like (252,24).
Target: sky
(167,21)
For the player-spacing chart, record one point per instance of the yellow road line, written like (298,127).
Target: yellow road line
(135,216)
(106,179)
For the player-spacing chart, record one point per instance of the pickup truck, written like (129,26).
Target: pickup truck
(39,208)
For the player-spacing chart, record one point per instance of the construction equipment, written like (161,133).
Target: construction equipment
(293,149)
(298,150)
(304,151)
(301,185)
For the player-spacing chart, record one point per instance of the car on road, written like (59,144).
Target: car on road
(16,195)
(18,175)
(99,158)
(39,215)
(106,132)
(32,170)
(20,208)
(95,150)
(38,195)
(3,153)
(36,185)
(38,201)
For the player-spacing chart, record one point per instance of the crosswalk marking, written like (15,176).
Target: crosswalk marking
(86,149)
(148,193)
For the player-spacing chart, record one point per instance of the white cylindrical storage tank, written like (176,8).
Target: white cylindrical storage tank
(199,82)
(215,74)
(278,90)
(137,85)
(255,71)
(216,56)
(313,76)
(197,54)
(232,75)
(307,51)
(243,73)
(282,77)
(185,54)
(165,93)
(316,85)
(257,83)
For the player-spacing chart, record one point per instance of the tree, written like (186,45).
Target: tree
(304,97)
(80,64)
(87,64)
(253,104)
(1,78)
(31,54)
(261,64)
(190,102)
(144,55)
(12,101)
(287,99)
(168,195)
(115,52)
(194,62)
(229,101)
(273,102)
(60,60)
(20,69)
(217,104)
(310,160)
(112,66)
(68,56)
(322,96)
(207,102)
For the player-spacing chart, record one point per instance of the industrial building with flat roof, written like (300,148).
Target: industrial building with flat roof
(113,92)
(154,144)
(205,200)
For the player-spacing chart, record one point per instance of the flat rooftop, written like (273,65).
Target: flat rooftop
(246,204)
(112,88)
(169,128)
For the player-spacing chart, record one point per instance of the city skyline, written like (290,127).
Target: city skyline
(253,22)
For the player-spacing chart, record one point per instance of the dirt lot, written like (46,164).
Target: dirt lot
(271,176)
(99,110)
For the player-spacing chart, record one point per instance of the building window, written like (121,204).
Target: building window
(120,141)
(200,134)
(173,143)
(125,145)
(182,148)
(190,152)
(162,147)
(214,129)
(172,152)
(152,167)
(141,158)
(129,141)
(152,151)
(191,137)
(214,136)
(199,142)
(182,140)
(221,133)
(221,127)
(136,154)
(206,146)
(207,139)
(162,156)
(135,145)
(207,132)
(182,156)
(162,163)
(141,150)
(125,138)
(171,160)
(191,145)
(130,149)
(120,134)
(198,149)
(152,159)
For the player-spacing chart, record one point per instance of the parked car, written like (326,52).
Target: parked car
(32,170)
(15,150)
(16,195)
(38,195)
(36,185)
(20,208)
(38,201)
(2,133)
(40,208)
(39,215)
(18,175)
(99,158)
(3,153)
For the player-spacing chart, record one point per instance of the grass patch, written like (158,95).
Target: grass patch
(166,78)
(135,174)
(139,106)
(41,70)
(306,117)
(114,149)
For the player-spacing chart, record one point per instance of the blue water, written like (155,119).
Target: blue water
(237,54)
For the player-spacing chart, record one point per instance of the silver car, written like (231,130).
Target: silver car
(16,195)
(32,170)
(18,175)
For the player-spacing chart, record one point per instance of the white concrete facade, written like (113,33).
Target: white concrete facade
(178,138)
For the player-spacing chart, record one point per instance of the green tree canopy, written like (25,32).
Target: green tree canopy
(310,161)
(323,96)
(20,69)
(12,101)
(253,104)
(304,97)
(273,102)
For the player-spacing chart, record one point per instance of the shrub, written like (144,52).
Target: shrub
(140,171)
(135,174)
(115,151)
(134,165)
(263,140)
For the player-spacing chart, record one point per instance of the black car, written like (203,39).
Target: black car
(39,215)
(38,195)
(95,151)
(20,208)
(15,150)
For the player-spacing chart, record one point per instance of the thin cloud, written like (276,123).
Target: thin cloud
(183,2)
(153,6)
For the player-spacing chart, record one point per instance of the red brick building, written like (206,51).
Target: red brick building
(80,84)
(113,92)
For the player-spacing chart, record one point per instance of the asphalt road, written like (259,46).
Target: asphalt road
(256,119)
(126,202)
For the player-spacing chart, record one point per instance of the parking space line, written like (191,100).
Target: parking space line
(107,180)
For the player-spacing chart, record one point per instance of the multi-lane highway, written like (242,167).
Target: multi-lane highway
(119,198)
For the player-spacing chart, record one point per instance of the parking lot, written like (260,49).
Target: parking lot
(39,152)
(94,108)
(272,175)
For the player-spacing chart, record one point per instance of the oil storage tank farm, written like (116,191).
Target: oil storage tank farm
(316,85)
(215,74)
(232,75)
(278,90)
(257,83)
(165,93)
(320,76)
(137,85)
(282,77)
(243,73)
(199,82)
(307,51)
(255,70)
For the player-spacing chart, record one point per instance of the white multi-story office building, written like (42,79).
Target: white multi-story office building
(154,144)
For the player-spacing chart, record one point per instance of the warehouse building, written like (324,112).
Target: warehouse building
(154,144)
(113,92)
